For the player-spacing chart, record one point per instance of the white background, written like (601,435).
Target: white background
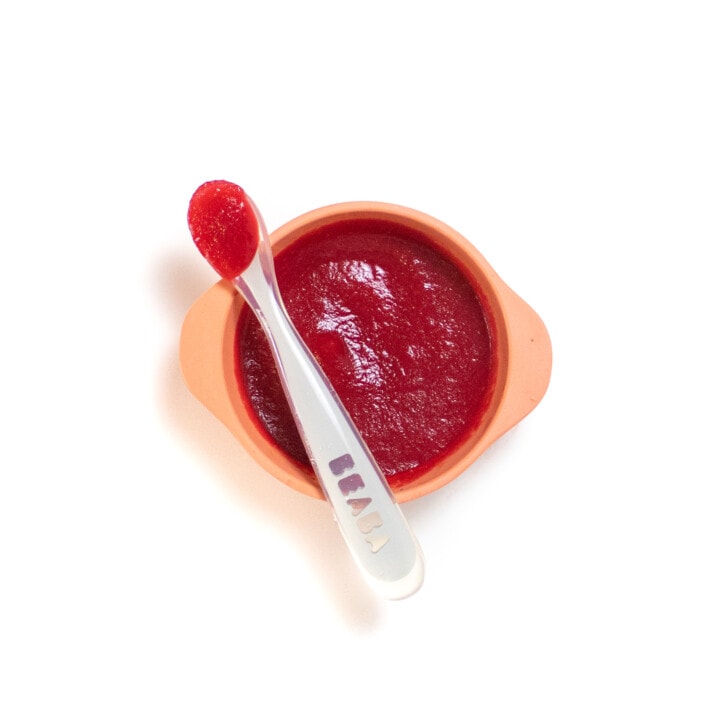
(149,570)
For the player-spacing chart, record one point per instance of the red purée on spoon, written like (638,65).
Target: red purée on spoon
(229,232)
(223,226)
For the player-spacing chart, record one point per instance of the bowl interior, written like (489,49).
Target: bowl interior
(477,272)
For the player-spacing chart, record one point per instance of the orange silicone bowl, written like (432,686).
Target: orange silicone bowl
(207,351)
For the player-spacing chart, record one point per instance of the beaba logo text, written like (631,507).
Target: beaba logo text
(350,484)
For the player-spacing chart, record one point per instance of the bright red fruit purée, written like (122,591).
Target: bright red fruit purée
(223,225)
(402,335)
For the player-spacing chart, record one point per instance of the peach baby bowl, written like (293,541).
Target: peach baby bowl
(207,352)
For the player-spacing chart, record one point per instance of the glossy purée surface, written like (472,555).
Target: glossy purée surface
(404,337)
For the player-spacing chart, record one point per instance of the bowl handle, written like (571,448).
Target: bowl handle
(529,355)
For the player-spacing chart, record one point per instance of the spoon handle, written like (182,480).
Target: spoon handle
(370,519)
